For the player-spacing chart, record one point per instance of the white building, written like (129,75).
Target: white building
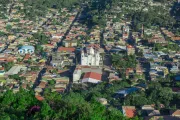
(84,69)
(90,57)
(125,32)
(16,70)
(76,75)
(126,28)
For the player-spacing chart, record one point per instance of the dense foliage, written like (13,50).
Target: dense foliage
(81,103)
(19,106)
(7,66)
(37,8)
(156,93)
(123,62)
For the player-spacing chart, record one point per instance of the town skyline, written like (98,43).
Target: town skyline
(90,59)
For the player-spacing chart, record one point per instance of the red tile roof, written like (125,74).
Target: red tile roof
(129,111)
(2,68)
(68,49)
(27,56)
(1,44)
(59,34)
(42,84)
(175,38)
(92,75)
(129,46)
(3,59)
(176,113)
(40,98)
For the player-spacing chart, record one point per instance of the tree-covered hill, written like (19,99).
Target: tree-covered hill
(73,106)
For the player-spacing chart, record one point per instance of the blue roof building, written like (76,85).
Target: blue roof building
(26,50)
(177,78)
(127,91)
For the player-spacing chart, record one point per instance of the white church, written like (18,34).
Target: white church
(90,57)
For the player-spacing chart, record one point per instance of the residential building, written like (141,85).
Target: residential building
(77,75)
(130,50)
(63,57)
(175,113)
(70,43)
(103,101)
(129,111)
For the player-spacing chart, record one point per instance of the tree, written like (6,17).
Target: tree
(8,27)
(46,111)
(2,33)
(52,82)
(7,66)
(136,99)
(165,95)
(5,117)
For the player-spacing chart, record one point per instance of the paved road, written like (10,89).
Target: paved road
(43,70)
(68,30)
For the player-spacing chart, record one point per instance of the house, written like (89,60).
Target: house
(103,101)
(117,26)
(174,69)
(91,77)
(153,112)
(66,50)
(177,78)
(26,50)
(2,72)
(175,113)
(157,40)
(70,43)
(48,46)
(42,84)
(153,74)
(38,90)
(126,29)
(147,107)
(175,38)
(130,50)
(139,70)
(31,76)
(61,84)
(39,97)
(11,37)
(77,75)
(27,57)
(63,80)
(129,111)
(113,77)
(63,57)
(2,46)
